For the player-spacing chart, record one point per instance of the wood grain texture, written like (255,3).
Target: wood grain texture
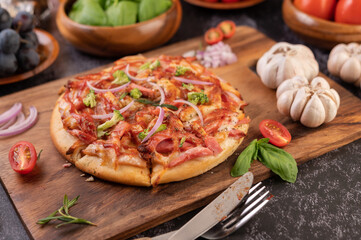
(317,31)
(122,211)
(120,40)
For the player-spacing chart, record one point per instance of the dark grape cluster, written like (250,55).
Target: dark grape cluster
(18,43)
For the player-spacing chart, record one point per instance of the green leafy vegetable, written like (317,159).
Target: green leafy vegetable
(171,107)
(145,66)
(135,93)
(276,159)
(108,124)
(188,86)
(182,142)
(89,100)
(149,9)
(123,95)
(120,77)
(146,101)
(122,13)
(143,134)
(154,65)
(88,12)
(149,65)
(279,161)
(64,214)
(244,159)
(181,70)
(197,97)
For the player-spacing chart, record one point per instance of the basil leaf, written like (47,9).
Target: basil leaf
(244,160)
(278,160)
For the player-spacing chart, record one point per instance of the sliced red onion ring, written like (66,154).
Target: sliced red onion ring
(11,113)
(234,97)
(14,121)
(192,81)
(99,90)
(110,115)
(162,95)
(23,126)
(156,125)
(193,106)
(20,118)
(132,77)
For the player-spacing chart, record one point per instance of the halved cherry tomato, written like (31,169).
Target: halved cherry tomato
(22,157)
(277,133)
(228,28)
(213,35)
(319,8)
(348,11)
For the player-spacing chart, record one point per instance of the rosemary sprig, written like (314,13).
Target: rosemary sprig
(64,214)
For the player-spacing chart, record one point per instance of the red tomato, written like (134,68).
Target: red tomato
(228,28)
(228,1)
(277,133)
(319,8)
(213,35)
(348,11)
(22,157)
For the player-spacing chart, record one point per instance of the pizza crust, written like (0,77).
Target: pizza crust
(197,166)
(125,174)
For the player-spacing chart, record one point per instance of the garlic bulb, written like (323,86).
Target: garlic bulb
(345,62)
(311,103)
(284,61)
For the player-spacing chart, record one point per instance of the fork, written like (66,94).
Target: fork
(250,205)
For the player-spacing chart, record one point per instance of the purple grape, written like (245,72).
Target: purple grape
(30,40)
(28,58)
(23,22)
(9,41)
(8,64)
(5,19)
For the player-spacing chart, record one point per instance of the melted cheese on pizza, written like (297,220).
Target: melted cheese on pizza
(184,137)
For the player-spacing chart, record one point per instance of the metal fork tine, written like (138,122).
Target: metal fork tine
(254,187)
(251,214)
(248,208)
(250,198)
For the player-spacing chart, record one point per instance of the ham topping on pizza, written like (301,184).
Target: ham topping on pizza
(167,110)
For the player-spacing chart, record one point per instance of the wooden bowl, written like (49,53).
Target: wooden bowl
(122,40)
(319,32)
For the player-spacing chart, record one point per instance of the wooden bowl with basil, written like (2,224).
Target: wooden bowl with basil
(115,28)
(316,31)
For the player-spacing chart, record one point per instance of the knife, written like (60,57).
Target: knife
(214,212)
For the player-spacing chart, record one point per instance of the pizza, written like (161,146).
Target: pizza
(148,121)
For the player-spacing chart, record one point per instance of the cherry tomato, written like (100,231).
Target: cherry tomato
(277,133)
(228,28)
(348,11)
(213,35)
(22,157)
(319,8)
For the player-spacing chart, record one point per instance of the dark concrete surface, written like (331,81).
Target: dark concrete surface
(325,201)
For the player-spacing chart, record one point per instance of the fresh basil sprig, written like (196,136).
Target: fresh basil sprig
(64,214)
(155,104)
(276,159)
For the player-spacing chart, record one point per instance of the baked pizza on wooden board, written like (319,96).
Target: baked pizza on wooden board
(147,121)
(120,210)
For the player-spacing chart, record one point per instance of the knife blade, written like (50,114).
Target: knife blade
(214,212)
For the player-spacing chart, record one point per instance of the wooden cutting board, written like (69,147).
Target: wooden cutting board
(122,211)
